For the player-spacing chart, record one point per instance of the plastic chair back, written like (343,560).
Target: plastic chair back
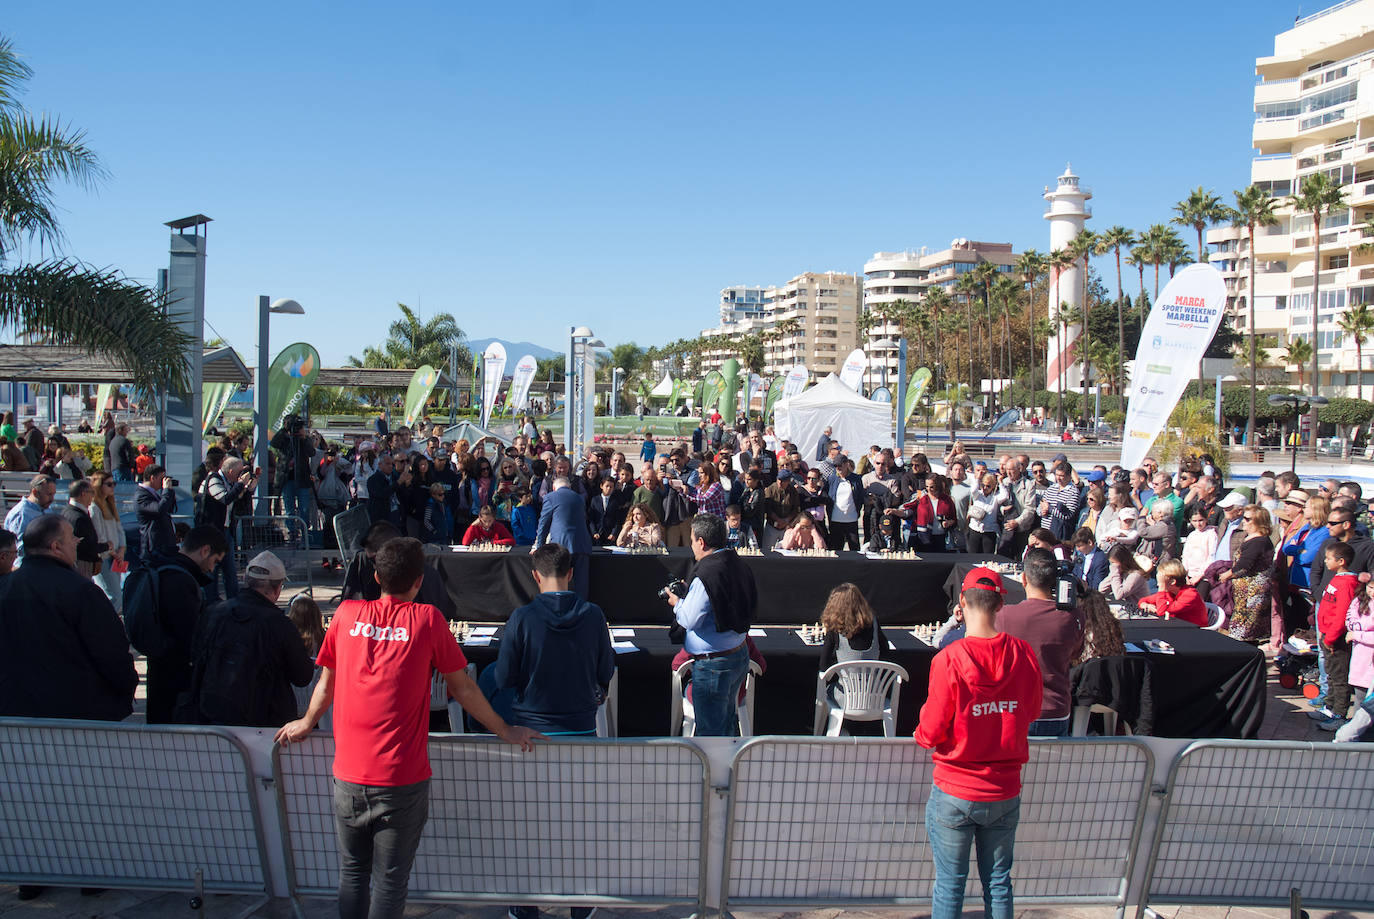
(682,718)
(608,712)
(870,694)
(1216,616)
(456,722)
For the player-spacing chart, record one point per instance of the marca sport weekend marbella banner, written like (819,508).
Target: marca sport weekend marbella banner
(288,381)
(520,382)
(795,381)
(1180,327)
(422,383)
(852,373)
(774,393)
(711,388)
(493,371)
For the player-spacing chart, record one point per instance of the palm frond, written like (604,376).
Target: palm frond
(68,303)
(34,153)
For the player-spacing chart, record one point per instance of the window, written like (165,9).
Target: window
(1273,111)
(1338,261)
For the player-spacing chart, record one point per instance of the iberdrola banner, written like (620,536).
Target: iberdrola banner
(288,380)
(520,383)
(795,381)
(916,388)
(493,371)
(214,397)
(771,399)
(852,373)
(1180,327)
(422,383)
(711,388)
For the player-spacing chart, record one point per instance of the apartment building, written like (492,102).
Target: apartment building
(1314,112)
(908,275)
(819,312)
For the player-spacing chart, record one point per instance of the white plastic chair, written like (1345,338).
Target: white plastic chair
(683,721)
(439,692)
(1216,617)
(1081,714)
(871,693)
(608,712)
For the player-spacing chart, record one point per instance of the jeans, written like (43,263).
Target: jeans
(295,502)
(953,826)
(111,583)
(1049,727)
(844,536)
(716,684)
(227,569)
(379,831)
(121,476)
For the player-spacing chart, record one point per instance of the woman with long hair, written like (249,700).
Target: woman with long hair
(852,632)
(105,515)
(641,528)
(1102,635)
(1126,581)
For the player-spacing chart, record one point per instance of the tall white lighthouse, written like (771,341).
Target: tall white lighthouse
(1067,212)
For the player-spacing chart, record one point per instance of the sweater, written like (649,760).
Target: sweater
(983,695)
(1341,590)
(1187,605)
(730,585)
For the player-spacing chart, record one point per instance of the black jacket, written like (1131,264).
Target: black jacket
(155,530)
(65,654)
(730,585)
(88,544)
(605,516)
(1364,562)
(122,454)
(360,583)
(180,603)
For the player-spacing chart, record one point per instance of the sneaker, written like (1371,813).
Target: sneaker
(523,912)
(583,912)
(1321,714)
(1333,725)
(1317,702)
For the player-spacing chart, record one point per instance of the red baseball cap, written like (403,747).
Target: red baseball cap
(982,578)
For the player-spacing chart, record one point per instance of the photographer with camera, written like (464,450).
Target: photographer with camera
(156,504)
(296,469)
(1051,621)
(715,611)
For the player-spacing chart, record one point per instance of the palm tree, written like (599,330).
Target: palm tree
(1083,246)
(1254,356)
(414,342)
(985,273)
(1177,254)
(1254,209)
(936,303)
(1007,292)
(1063,318)
(750,351)
(1199,210)
(1138,259)
(1111,240)
(1317,195)
(1358,323)
(60,301)
(1031,265)
(1299,352)
(965,286)
(1060,259)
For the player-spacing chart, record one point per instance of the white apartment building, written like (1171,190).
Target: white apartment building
(825,307)
(1314,112)
(908,275)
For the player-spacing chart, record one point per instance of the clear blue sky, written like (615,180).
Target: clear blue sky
(531,166)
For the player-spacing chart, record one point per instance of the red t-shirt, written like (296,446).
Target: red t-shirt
(382,653)
(984,693)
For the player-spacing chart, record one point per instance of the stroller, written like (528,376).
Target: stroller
(1298,667)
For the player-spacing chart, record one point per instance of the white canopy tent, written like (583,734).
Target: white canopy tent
(853,420)
(663,390)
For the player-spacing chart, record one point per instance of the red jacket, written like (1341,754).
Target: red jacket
(983,695)
(498,534)
(1187,606)
(1340,592)
(925,511)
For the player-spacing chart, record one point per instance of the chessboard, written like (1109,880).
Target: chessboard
(812,634)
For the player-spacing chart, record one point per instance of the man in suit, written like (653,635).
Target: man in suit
(563,520)
(606,513)
(1089,562)
(156,505)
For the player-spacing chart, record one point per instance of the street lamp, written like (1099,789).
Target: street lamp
(1300,405)
(260,446)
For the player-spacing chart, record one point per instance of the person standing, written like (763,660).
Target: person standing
(223,487)
(42,491)
(156,504)
(1054,634)
(122,454)
(89,547)
(716,612)
(985,691)
(563,520)
(181,580)
(379,688)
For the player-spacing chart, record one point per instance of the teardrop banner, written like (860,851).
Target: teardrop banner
(493,370)
(520,382)
(422,383)
(796,381)
(916,388)
(711,388)
(852,373)
(881,394)
(214,397)
(1180,327)
(288,381)
(774,393)
(681,389)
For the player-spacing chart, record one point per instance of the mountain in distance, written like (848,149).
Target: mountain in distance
(514,349)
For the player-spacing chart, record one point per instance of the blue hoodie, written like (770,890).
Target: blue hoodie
(556,655)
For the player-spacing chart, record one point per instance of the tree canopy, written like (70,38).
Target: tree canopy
(413,342)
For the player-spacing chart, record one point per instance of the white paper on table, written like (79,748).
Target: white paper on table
(459,548)
(624,647)
(1133,648)
(478,641)
(757,633)
(1159,646)
(483,631)
(622,633)
(617,550)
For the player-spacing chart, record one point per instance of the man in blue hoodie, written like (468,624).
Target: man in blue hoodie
(555,662)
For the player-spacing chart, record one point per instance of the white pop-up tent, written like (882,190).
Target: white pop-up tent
(853,420)
(664,389)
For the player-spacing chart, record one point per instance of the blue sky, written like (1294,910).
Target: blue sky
(533,166)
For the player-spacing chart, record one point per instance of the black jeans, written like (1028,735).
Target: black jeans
(981,543)
(844,535)
(379,830)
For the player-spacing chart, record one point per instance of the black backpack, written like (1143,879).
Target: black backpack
(227,672)
(142,603)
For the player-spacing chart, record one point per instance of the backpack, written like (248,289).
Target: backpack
(226,673)
(142,603)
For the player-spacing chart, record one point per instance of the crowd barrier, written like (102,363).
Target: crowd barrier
(705,823)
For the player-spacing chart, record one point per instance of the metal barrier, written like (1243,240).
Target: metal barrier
(576,821)
(843,823)
(1244,823)
(115,805)
(285,537)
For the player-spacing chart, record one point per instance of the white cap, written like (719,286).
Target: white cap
(1233,499)
(267,566)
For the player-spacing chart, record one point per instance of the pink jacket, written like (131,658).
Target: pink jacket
(1360,632)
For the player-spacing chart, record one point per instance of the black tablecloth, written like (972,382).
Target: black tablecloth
(784,695)
(1212,686)
(487,586)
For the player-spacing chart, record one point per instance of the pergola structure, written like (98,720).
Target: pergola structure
(76,366)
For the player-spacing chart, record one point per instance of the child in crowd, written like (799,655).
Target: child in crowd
(984,693)
(751,505)
(438,519)
(486,529)
(1359,631)
(305,615)
(524,522)
(1341,591)
(737,535)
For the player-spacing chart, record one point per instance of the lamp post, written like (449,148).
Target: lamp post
(1300,405)
(260,436)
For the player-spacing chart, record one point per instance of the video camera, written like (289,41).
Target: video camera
(677,587)
(1065,587)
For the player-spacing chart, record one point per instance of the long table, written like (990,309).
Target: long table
(487,586)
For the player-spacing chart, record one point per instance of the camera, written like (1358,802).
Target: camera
(677,587)
(1065,587)
(295,423)
(171,483)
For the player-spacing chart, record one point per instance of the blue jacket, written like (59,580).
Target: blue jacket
(564,521)
(1302,550)
(524,524)
(556,655)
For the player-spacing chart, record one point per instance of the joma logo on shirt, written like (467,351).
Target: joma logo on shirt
(994,708)
(380,632)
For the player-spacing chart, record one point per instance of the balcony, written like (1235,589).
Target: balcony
(1274,131)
